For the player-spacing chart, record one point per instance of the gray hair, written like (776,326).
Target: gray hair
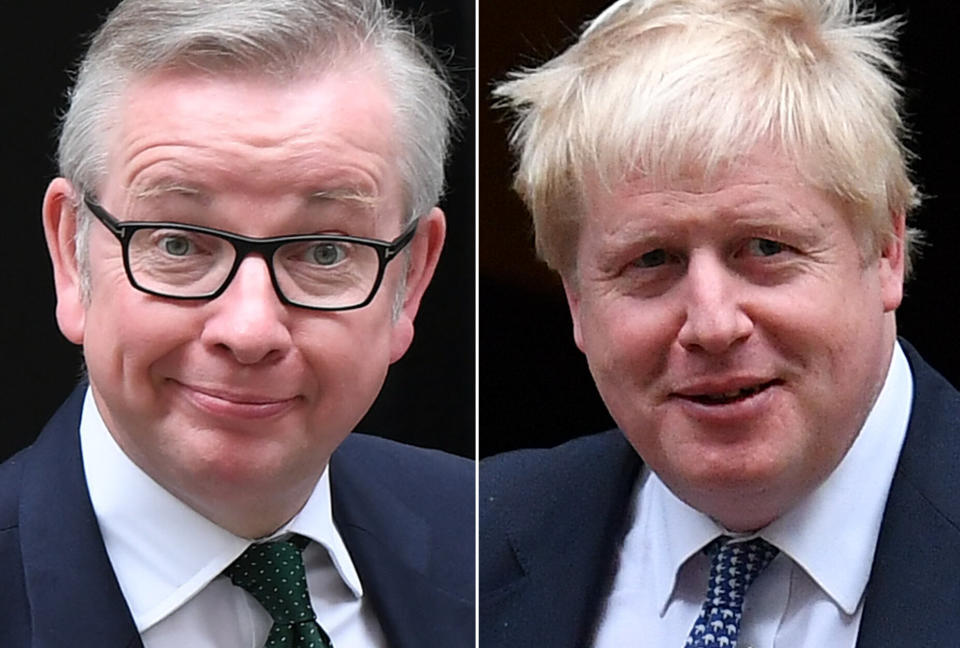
(280,38)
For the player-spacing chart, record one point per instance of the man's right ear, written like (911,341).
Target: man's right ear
(60,230)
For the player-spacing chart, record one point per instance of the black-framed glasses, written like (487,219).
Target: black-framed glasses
(321,272)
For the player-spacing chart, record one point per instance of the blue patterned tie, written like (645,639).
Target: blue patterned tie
(733,568)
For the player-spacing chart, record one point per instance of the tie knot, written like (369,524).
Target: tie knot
(734,566)
(273,573)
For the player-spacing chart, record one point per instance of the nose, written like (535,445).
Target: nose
(715,319)
(248,320)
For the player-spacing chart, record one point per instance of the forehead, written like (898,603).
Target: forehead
(254,134)
(763,180)
(763,164)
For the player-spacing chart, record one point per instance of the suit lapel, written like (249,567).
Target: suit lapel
(74,596)
(913,595)
(391,547)
(564,579)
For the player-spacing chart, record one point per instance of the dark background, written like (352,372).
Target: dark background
(535,389)
(429,397)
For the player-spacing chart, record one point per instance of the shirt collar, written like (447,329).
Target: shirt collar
(143,526)
(683,531)
(840,502)
(852,498)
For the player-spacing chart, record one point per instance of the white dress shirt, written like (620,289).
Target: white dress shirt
(168,559)
(811,595)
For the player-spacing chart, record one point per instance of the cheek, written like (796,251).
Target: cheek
(832,345)
(348,366)
(627,345)
(128,338)
(348,386)
(347,356)
(122,324)
(834,333)
(627,335)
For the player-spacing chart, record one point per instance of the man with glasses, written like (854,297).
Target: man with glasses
(243,229)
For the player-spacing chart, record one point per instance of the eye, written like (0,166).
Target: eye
(328,254)
(651,259)
(765,247)
(176,245)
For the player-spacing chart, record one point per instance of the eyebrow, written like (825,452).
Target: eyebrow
(165,187)
(345,194)
(175,187)
(662,231)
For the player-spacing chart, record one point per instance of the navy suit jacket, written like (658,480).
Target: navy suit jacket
(552,521)
(406,515)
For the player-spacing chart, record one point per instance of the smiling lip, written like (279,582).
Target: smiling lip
(725,392)
(236,404)
(728,404)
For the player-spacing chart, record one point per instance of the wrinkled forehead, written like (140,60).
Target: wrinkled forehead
(327,136)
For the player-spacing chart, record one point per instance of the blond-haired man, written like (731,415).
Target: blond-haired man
(723,188)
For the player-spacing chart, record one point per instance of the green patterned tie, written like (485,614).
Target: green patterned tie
(273,573)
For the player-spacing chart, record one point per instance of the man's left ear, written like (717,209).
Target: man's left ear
(892,264)
(424,254)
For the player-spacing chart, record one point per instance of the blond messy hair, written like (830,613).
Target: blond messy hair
(660,87)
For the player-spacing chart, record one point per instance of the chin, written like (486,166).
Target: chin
(231,474)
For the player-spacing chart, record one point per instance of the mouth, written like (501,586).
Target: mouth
(241,404)
(240,398)
(715,398)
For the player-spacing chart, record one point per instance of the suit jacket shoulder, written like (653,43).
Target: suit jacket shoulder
(913,594)
(407,516)
(14,614)
(59,586)
(550,524)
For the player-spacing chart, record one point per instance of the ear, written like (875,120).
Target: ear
(892,264)
(60,230)
(572,291)
(424,254)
